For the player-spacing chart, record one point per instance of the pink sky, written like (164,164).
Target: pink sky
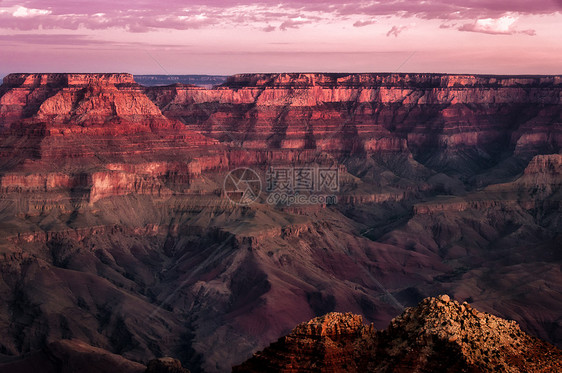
(222,37)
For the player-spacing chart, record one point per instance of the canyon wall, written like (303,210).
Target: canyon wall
(448,122)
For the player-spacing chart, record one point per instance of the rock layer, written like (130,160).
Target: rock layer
(447,122)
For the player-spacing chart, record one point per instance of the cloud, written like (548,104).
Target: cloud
(269,28)
(448,10)
(138,22)
(364,23)
(294,23)
(529,32)
(501,26)
(147,15)
(396,30)
(447,26)
(22,12)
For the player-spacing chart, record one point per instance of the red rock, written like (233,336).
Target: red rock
(437,335)
(418,113)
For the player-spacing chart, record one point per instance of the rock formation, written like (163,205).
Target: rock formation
(165,365)
(116,229)
(439,335)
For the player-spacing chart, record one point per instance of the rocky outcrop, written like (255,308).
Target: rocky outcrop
(331,343)
(544,172)
(439,335)
(165,365)
(482,341)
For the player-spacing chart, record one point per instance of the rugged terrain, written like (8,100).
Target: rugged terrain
(116,229)
(439,335)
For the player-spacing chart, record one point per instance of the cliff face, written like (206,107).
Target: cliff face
(113,203)
(24,94)
(439,335)
(389,80)
(448,122)
(85,131)
(59,80)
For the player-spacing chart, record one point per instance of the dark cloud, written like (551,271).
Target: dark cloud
(364,23)
(396,30)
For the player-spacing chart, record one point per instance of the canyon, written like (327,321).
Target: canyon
(116,230)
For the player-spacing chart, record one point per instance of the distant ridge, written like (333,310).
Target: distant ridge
(207,81)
